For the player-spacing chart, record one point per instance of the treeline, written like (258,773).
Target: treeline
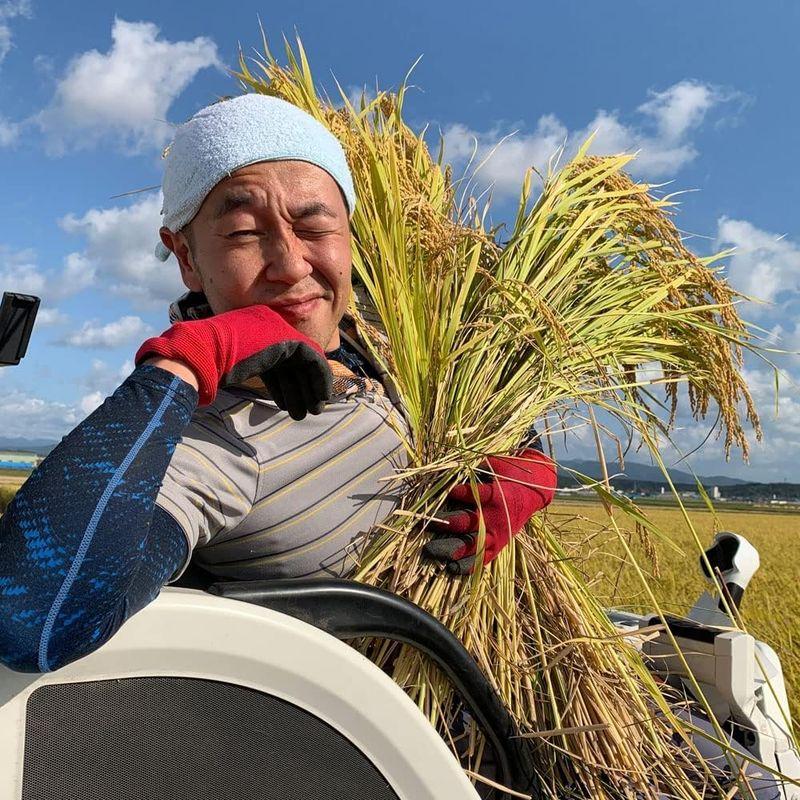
(761,491)
(740,491)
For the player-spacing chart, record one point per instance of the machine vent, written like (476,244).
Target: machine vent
(185,739)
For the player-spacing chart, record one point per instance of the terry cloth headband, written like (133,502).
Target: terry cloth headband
(231,134)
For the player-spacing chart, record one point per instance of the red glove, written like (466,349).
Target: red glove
(231,347)
(521,486)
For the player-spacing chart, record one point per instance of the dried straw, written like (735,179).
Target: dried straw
(483,340)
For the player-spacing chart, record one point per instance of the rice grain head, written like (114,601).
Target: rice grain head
(485,338)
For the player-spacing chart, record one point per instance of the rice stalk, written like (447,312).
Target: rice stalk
(485,338)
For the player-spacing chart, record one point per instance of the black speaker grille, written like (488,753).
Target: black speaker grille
(185,739)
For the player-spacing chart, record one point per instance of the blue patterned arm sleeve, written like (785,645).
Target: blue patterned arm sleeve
(532,441)
(81,549)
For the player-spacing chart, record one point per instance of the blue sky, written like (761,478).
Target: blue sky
(88,91)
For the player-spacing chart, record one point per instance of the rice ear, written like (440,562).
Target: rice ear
(483,340)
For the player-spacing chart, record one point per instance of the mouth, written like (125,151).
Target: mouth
(300,308)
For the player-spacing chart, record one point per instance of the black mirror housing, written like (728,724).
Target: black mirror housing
(17,315)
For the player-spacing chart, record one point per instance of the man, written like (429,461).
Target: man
(255,435)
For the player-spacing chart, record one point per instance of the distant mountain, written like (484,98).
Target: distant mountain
(40,446)
(635,471)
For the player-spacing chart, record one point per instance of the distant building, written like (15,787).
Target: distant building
(715,493)
(18,459)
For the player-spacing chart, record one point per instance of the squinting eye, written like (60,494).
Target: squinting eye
(310,233)
(242,233)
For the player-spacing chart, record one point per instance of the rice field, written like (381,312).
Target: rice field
(771,606)
(13,477)
(10,481)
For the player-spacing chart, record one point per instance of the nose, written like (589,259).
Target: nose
(284,258)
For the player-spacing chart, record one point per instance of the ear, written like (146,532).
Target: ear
(179,246)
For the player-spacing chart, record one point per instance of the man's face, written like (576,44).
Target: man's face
(275,233)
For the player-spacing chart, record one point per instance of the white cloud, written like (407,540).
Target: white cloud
(44,65)
(680,108)
(100,382)
(113,334)
(119,252)
(662,134)
(90,402)
(775,457)
(657,156)
(506,166)
(9,132)
(50,317)
(772,459)
(124,95)
(354,94)
(649,373)
(104,379)
(26,415)
(692,444)
(78,274)
(20,272)
(787,340)
(8,11)
(117,258)
(765,265)
(661,131)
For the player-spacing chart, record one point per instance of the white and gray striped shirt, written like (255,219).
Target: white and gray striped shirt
(259,495)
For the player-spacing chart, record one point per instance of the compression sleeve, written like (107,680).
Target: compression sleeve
(532,441)
(81,549)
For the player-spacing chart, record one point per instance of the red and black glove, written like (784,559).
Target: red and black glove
(231,347)
(519,487)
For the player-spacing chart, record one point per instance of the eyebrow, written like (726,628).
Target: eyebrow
(236,200)
(312,209)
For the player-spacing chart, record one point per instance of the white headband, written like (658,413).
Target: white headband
(231,134)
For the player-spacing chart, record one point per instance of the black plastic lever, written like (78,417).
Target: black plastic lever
(349,610)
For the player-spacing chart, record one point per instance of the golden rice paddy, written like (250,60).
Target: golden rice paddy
(771,606)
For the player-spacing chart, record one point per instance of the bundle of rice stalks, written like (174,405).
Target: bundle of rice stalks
(485,339)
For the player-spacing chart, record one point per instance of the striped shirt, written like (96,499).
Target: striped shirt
(259,495)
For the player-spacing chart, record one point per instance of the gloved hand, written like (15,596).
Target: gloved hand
(231,347)
(521,486)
